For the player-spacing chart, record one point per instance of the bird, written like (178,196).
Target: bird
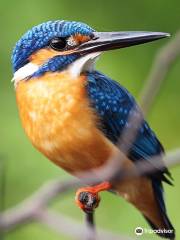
(75,115)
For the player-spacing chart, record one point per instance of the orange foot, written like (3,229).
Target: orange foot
(88,199)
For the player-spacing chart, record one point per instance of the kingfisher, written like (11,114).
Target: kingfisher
(75,115)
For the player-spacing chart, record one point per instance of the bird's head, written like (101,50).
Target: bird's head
(61,45)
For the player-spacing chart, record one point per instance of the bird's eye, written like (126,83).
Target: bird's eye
(58,43)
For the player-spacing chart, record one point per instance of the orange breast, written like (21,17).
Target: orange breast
(59,121)
(57,118)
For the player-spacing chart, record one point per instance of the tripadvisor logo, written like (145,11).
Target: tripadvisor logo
(139,231)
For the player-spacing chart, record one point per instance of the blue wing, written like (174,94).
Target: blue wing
(114,104)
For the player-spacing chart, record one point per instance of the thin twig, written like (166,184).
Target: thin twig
(161,67)
(29,209)
(90,225)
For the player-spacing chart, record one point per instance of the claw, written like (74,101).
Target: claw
(88,201)
(88,198)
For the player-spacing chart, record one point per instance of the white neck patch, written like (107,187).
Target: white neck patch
(24,72)
(85,63)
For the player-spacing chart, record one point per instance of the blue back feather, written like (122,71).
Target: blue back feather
(114,104)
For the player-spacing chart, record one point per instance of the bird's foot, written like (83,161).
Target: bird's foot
(88,198)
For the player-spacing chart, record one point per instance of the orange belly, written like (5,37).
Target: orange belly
(56,115)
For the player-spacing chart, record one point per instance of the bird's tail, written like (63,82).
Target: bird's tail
(166,230)
(147,196)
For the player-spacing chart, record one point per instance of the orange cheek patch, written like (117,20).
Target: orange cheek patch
(81,38)
(44,54)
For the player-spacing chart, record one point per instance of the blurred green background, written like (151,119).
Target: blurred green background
(26,169)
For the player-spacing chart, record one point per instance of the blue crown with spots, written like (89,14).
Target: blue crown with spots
(39,37)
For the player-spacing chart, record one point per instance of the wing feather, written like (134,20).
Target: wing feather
(114,104)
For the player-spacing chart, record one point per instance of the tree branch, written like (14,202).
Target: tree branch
(35,206)
(161,67)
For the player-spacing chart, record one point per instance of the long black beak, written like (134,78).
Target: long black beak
(104,41)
